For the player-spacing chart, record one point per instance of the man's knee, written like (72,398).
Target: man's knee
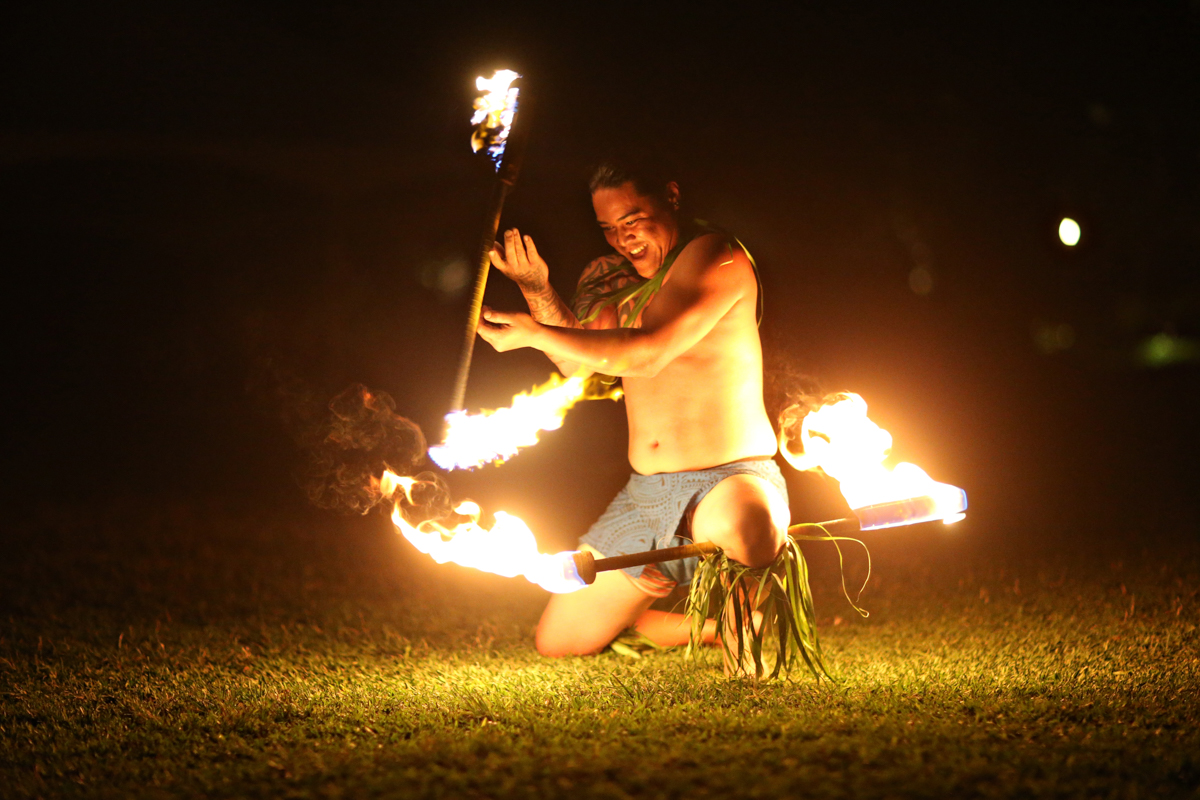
(549,645)
(758,538)
(745,516)
(583,623)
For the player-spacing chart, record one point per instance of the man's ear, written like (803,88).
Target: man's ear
(672,195)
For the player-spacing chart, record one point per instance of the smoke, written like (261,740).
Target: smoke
(788,391)
(790,394)
(346,443)
(360,437)
(428,500)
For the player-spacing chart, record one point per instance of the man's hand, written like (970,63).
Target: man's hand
(507,331)
(518,259)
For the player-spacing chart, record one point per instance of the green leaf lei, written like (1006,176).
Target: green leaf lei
(591,297)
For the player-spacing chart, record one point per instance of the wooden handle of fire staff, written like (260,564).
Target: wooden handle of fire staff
(588,565)
(491,225)
(510,168)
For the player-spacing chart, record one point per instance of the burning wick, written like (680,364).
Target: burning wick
(507,549)
(842,441)
(492,437)
(495,110)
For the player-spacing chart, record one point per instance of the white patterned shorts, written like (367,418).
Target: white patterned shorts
(654,512)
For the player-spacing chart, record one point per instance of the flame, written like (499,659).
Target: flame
(473,440)
(841,440)
(495,110)
(508,549)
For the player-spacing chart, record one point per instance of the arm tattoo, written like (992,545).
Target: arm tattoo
(548,308)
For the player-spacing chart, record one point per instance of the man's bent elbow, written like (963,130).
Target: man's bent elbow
(572,369)
(651,368)
(647,365)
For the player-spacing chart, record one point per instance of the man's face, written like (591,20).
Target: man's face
(640,227)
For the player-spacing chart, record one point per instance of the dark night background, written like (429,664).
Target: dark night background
(198,197)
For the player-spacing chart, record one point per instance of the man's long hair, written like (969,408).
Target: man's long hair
(648,171)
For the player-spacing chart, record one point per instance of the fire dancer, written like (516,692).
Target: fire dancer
(673,313)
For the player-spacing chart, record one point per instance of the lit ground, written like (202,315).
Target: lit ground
(205,653)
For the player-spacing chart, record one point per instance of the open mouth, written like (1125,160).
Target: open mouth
(638,252)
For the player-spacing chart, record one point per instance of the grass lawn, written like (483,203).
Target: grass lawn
(186,651)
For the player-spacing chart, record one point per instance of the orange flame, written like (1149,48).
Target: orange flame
(508,549)
(495,110)
(841,440)
(473,440)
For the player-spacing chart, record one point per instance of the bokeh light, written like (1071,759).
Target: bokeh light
(1164,349)
(447,277)
(1069,232)
(920,280)
(1051,338)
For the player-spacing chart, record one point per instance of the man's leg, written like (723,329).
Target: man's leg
(584,622)
(744,516)
(747,518)
(669,629)
(580,628)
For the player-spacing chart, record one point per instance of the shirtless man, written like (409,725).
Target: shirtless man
(700,442)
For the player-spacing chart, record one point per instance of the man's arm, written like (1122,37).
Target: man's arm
(596,269)
(705,284)
(520,261)
(547,308)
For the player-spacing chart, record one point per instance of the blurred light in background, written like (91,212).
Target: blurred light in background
(1068,232)
(920,277)
(1100,115)
(920,280)
(448,278)
(1051,338)
(1163,349)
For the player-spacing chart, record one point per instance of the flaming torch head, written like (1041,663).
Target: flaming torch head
(493,437)
(508,548)
(558,573)
(495,110)
(843,442)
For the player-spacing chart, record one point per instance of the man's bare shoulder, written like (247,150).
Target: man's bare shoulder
(599,279)
(715,253)
(603,275)
(606,266)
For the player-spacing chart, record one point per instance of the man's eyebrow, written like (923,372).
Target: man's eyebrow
(629,213)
